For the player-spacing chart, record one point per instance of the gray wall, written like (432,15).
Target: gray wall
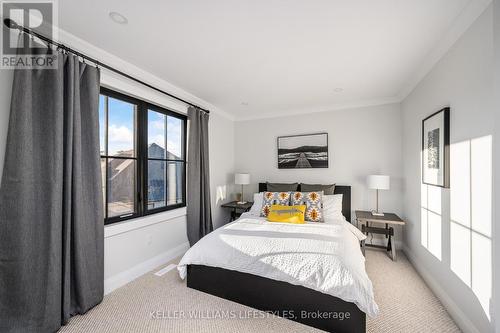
(454,253)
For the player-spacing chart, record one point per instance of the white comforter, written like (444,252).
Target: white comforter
(325,257)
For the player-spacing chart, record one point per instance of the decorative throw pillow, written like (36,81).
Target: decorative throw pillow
(287,214)
(313,202)
(327,189)
(274,198)
(281,187)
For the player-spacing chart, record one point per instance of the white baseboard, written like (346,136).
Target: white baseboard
(453,309)
(121,279)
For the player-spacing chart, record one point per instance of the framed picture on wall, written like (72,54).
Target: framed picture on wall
(436,149)
(303,151)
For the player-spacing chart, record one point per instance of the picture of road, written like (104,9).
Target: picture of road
(303,151)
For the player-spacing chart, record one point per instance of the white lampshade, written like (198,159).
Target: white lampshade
(241,178)
(378,182)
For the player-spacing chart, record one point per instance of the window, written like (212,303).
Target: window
(143,157)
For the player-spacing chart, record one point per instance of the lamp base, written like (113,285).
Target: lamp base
(375,213)
(241,202)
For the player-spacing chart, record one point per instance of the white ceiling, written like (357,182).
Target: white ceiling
(278,56)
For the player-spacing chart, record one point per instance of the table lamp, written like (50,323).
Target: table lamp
(378,182)
(242,179)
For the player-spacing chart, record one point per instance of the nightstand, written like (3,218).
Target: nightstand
(237,209)
(366,219)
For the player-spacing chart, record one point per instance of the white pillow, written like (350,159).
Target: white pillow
(258,198)
(332,207)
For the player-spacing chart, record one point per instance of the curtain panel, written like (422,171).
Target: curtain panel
(199,213)
(51,205)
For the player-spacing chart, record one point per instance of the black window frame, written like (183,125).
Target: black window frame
(142,158)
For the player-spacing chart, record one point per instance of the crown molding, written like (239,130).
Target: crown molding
(328,108)
(462,23)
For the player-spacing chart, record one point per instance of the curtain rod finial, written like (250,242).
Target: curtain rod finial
(10,23)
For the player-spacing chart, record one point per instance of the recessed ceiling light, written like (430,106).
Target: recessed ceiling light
(244,103)
(338,90)
(118,18)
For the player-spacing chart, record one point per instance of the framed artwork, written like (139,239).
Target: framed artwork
(436,149)
(303,151)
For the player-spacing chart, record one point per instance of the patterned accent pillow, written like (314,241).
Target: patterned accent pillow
(274,198)
(313,202)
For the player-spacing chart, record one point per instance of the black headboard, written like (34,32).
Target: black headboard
(339,189)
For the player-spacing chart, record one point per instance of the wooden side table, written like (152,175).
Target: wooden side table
(366,218)
(237,209)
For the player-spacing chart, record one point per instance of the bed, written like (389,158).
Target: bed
(311,273)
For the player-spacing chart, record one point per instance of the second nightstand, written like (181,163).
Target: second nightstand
(237,208)
(365,218)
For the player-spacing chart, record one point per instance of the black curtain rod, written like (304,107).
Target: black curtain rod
(13,25)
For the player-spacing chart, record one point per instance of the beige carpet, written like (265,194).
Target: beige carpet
(149,304)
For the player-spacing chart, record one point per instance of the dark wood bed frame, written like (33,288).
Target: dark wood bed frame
(283,299)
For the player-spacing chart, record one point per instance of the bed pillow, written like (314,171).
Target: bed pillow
(257,204)
(313,202)
(287,214)
(332,207)
(274,198)
(280,187)
(327,189)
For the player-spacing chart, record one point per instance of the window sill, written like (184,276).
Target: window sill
(142,222)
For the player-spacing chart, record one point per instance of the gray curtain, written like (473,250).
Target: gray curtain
(51,211)
(199,212)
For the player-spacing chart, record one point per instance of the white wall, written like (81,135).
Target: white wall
(497,162)
(136,246)
(159,238)
(5,90)
(463,80)
(221,131)
(362,141)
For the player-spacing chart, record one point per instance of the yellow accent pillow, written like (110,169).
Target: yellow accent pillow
(287,214)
